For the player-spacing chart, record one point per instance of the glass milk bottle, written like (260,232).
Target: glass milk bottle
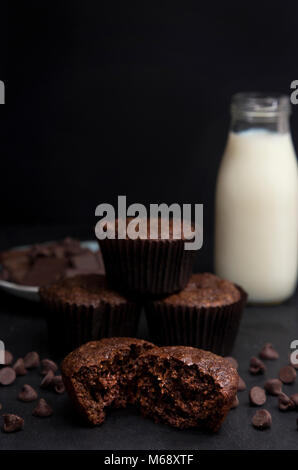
(256,239)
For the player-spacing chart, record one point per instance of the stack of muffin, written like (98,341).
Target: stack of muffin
(181,308)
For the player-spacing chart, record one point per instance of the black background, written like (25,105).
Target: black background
(117,97)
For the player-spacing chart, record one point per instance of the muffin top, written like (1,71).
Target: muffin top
(152,228)
(205,290)
(219,368)
(86,289)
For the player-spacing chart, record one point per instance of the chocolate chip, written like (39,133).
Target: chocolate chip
(58,384)
(287,374)
(7,376)
(235,403)
(257,396)
(262,419)
(46,365)
(285,403)
(256,366)
(31,360)
(8,358)
(27,393)
(43,409)
(273,386)
(294,399)
(47,381)
(241,384)
(268,352)
(12,423)
(19,367)
(232,361)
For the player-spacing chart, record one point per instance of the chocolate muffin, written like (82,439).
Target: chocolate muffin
(185,387)
(84,308)
(102,374)
(181,386)
(206,314)
(148,266)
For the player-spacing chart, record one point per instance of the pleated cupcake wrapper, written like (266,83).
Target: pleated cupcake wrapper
(214,328)
(147,267)
(69,326)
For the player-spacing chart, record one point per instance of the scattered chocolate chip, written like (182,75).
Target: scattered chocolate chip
(256,366)
(8,358)
(31,360)
(46,365)
(262,419)
(273,386)
(58,384)
(287,374)
(27,393)
(285,403)
(232,361)
(268,352)
(7,376)
(19,367)
(12,423)
(47,381)
(43,409)
(257,396)
(235,403)
(294,399)
(241,384)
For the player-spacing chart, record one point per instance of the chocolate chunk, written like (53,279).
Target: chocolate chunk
(58,384)
(232,361)
(7,376)
(43,409)
(241,384)
(262,419)
(27,393)
(287,374)
(294,399)
(268,352)
(235,403)
(47,381)
(256,366)
(8,358)
(19,367)
(12,423)
(273,386)
(285,403)
(46,365)
(257,396)
(31,360)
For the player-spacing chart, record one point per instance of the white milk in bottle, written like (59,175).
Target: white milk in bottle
(256,225)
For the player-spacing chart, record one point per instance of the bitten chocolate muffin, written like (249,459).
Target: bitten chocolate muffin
(101,374)
(85,308)
(148,266)
(206,314)
(185,387)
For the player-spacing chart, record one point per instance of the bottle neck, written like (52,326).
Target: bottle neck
(242,122)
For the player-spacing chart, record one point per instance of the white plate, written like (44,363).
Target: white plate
(31,292)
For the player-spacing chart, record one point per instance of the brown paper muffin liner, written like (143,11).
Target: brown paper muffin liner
(213,329)
(69,326)
(147,267)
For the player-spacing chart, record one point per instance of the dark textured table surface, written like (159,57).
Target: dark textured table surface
(23,328)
